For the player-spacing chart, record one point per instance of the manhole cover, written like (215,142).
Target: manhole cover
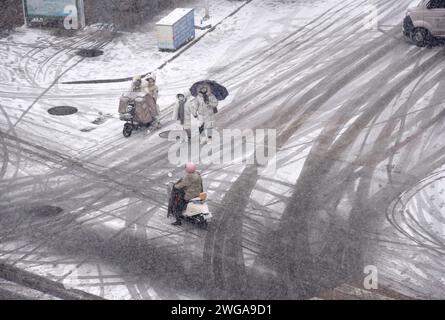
(89,129)
(44,211)
(90,53)
(62,111)
(172,133)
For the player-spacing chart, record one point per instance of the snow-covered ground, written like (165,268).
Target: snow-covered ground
(343,99)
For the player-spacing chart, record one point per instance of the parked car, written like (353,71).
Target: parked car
(425,21)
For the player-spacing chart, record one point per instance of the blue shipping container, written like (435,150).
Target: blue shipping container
(176,29)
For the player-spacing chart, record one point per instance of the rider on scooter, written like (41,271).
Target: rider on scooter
(184,190)
(136,85)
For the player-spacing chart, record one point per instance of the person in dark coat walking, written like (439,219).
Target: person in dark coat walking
(182,113)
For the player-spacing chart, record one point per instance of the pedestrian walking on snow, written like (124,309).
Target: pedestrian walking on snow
(182,113)
(206,105)
(149,86)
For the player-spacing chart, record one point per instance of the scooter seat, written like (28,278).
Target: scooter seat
(196,208)
(202,197)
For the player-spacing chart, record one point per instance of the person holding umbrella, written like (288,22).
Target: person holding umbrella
(207,93)
(205,106)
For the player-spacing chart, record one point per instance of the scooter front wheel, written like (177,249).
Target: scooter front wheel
(201,222)
(204,225)
(128,130)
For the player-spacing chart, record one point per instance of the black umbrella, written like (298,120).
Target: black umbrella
(219,91)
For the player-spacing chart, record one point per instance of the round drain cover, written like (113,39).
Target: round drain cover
(62,111)
(45,211)
(90,53)
(164,134)
(172,133)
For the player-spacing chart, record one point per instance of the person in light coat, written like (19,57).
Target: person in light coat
(182,113)
(149,86)
(204,105)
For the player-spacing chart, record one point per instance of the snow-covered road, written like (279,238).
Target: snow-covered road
(359,116)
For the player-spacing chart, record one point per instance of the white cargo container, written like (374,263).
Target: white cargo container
(176,29)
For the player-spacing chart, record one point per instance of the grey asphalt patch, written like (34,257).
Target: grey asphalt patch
(44,211)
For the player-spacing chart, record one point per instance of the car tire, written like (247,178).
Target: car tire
(420,37)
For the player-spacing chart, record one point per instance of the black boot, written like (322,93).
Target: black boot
(177,223)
